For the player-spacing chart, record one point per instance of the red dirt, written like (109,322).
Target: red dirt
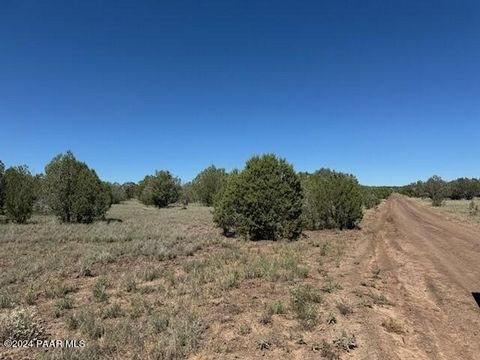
(430,267)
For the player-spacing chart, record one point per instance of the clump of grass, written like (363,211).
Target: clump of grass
(180,337)
(229,280)
(85,269)
(129,283)
(392,325)
(285,266)
(59,291)
(88,325)
(64,304)
(265,318)
(72,322)
(344,309)
(112,312)
(327,350)
(277,308)
(472,208)
(150,274)
(244,329)
(166,255)
(264,344)
(326,248)
(6,301)
(99,290)
(376,273)
(306,293)
(30,297)
(304,302)
(139,307)
(330,286)
(159,323)
(379,299)
(331,319)
(345,341)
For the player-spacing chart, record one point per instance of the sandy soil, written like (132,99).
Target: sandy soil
(430,267)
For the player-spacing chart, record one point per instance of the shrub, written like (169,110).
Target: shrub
(462,188)
(19,196)
(264,201)
(472,208)
(188,194)
(20,324)
(75,193)
(208,183)
(161,189)
(435,189)
(332,200)
(370,199)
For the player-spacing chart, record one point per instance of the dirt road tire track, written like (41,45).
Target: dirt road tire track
(430,267)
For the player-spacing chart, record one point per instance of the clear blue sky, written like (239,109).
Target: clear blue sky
(387,90)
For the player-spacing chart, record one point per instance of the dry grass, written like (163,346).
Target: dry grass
(459,209)
(165,284)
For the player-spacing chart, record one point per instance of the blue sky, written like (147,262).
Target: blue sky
(387,90)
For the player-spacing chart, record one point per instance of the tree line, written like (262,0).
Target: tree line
(438,189)
(266,199)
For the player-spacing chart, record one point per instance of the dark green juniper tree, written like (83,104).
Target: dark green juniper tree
(161,189)
(436,190)
(19,194)
(332,200)
(75,193)
(263,201)
(208,183)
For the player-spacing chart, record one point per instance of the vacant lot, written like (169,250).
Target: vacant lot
(164,284)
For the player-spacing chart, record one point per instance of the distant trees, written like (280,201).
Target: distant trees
(161,189)
(208,183)
(117,193)
(188,194)
(19,193)
(438,190)
(332,200)
(463,188)
(74,191)
(373,195)
(263,201)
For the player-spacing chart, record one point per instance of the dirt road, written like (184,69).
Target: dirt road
(430,266)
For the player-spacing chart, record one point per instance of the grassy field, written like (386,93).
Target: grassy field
(165,284)
(459,209)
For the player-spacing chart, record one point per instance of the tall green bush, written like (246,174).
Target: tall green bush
(462,188)
(436,190)
(332,200)
(208,183)
(161,189)
(264,201)
(75,193)
(19,194)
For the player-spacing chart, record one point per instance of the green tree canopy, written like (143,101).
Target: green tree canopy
(161,189)
(75,193)
(263,201)
(208,183)
(19,193)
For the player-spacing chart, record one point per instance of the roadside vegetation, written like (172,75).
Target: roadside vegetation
(439,190)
